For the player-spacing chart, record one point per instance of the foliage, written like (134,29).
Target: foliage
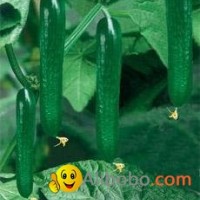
(90,190)
(13,15)
(143,24)
(148,139)
(79,78)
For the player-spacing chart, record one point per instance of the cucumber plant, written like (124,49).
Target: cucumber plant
(108,85)
(52,35)
(25,120)
(179,25)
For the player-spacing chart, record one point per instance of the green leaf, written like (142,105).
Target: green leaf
(7,175)
(167,193)
(91,191)
(83,7)
(164,144)
(102,181)
(196,26)
(117,189)
(13,15)
(79,79)
(146,17)
(9,191)
(87,191)
(135,45)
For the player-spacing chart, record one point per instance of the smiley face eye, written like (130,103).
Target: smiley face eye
(72,176)
(64,175)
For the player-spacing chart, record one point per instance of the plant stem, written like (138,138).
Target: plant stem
(106,13)
(82,27)
(8,152)
(15,66)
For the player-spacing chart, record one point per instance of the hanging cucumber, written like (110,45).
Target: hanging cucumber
(52,37)
(179,25)
(25,120)
(108,85)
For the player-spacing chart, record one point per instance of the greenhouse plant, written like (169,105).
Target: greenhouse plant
(100,99)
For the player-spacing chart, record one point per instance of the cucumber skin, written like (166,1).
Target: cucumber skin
(179,23)
(52,38)
(108,86)
(25,120)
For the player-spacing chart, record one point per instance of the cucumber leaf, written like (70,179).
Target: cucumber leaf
(79,78)
(13,15)
(145,17)
(93,189)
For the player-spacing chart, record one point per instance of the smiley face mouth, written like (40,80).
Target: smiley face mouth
(69,186)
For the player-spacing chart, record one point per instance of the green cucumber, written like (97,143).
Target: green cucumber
(108,86)
(179,25)
(25,120)
(52,38)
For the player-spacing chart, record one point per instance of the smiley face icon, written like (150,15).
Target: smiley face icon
(68,178)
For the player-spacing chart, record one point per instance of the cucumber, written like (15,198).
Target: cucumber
(52,38)
(179,26)
(25,120)
(108,86)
